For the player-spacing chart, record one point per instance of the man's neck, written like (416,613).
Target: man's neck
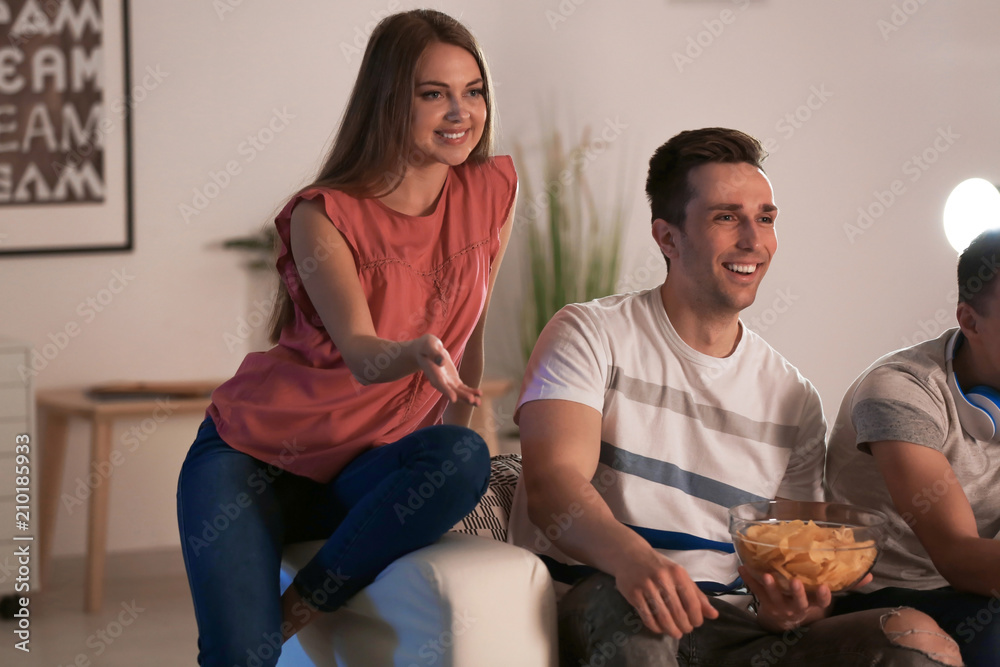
(967,371)
(715,335)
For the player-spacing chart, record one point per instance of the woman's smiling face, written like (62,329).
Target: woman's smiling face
(449,106)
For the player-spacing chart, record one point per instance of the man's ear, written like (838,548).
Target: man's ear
(665,236)
(968,319)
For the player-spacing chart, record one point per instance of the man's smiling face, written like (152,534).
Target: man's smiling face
(725,245)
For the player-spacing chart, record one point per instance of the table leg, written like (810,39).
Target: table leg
(97,519)
(52,459)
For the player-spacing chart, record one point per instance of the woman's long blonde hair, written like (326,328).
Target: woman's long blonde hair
(372,148)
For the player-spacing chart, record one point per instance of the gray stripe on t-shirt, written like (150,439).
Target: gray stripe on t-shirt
(713,418)
(674,476)
(877,419)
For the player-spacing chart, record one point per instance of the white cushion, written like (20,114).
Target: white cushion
(463,601)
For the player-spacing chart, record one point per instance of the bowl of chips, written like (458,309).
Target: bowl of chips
(818,543)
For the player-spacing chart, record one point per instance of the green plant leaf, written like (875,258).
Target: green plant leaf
(574,249)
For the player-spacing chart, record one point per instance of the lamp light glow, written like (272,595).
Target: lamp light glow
(972,208)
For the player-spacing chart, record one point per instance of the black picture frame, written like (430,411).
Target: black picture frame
(52,227)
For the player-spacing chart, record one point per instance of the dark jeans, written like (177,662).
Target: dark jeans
(972,620)
(599,628)
(236,513)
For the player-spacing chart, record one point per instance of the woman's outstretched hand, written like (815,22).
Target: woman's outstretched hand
(435,362)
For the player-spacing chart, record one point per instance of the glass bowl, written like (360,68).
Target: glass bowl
(817,543)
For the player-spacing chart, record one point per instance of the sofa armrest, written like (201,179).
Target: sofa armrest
(462,601)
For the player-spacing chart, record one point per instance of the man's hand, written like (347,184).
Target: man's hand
(664,595)
(780,611)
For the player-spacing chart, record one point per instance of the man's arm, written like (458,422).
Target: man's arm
(561,445)
(943,522)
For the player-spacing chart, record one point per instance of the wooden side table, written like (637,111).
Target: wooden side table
(56,407)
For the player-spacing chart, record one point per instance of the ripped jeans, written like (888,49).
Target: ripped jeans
(599,628)
(973,621)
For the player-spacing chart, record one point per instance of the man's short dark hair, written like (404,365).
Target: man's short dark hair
(667,186)
(977,268)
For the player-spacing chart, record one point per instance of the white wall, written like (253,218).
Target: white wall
(889,95)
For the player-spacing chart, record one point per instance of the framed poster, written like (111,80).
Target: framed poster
(65,127)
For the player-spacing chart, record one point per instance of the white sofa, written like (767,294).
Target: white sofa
(466,601)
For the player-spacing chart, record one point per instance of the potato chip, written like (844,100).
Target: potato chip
(814,554)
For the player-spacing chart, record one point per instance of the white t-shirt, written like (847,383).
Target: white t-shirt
(684,435)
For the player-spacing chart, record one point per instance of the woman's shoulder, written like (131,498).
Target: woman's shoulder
(494,169)
(319,194)
(504,164)
(331,201)
(344,211)
(491,183)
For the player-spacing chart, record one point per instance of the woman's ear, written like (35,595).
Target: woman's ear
(665,236)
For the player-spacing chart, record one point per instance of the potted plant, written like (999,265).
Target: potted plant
(574,245)
(259,246)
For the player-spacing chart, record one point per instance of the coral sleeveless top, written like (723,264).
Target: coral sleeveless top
(297,406)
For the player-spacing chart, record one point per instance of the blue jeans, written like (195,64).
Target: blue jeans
(973,621)
(236,513)
(599,628)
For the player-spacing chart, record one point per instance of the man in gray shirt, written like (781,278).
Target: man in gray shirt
(917,438)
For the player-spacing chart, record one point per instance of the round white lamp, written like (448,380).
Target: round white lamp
(972,208)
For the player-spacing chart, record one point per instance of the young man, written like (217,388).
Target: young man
(913,439)
(644,416)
